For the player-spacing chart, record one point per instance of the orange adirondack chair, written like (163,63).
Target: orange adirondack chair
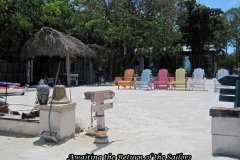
(180,80)
(128,79)
(162,79)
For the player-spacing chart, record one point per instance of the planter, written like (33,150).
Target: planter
(42,92)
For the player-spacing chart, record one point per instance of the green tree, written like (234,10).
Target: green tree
(127,27)
(233,20)
(18,19)
(228,62)
(202,27)
(58,14)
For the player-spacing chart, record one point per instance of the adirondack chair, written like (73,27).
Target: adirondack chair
(145,80)
(220,74)
(197,80)
(127,80)
(162,79)
(180,80)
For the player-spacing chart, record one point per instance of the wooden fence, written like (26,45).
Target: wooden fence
(13,71)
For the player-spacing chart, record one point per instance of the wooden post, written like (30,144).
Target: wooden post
(90,68)
(237,94)
(68,69)
(31,65)
(99,109)
(28,72)
(98,98)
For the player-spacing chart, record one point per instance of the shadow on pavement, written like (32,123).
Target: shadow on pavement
(42,142)
(100,146)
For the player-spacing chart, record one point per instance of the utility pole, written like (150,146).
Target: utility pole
(238,58)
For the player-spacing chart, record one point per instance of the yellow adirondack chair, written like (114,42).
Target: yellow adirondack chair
(180,80)
(128,79)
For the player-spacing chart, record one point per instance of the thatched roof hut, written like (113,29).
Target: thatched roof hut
(52,43)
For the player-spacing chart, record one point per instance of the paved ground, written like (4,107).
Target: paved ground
(141,122)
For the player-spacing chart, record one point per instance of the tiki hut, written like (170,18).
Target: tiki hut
(50,43)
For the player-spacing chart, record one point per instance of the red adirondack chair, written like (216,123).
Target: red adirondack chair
(162,79)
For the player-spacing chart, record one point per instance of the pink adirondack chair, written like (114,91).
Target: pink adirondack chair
(162,79)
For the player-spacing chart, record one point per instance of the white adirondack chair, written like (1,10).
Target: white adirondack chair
(220,73)
(197,80)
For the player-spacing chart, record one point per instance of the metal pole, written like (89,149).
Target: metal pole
(238,59)
(6,86)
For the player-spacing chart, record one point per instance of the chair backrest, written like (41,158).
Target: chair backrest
(221,73)
(146,74)
(50,80)
(163,75)
(74,77)
(128,74)
(198,74)
(180,74)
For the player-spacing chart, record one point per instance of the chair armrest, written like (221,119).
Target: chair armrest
(189,79)
(153,79)
(118,79)
(137,78)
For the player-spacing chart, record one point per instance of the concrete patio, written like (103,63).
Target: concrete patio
(141,122)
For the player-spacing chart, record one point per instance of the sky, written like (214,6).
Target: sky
(223,4)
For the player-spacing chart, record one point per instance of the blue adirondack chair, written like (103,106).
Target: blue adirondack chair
(145,80)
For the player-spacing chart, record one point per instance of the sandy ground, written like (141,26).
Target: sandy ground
(141,122)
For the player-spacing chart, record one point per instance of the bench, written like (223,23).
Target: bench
(231,94)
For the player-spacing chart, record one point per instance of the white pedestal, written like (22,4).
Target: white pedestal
(225,131)
(62,119)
